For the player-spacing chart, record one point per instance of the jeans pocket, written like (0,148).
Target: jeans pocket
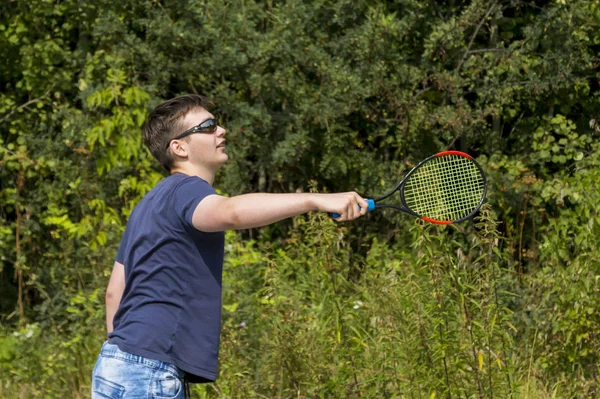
(104,389)
(166,386)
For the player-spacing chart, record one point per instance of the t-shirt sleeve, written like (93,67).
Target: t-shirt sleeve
(188,195)
(122,248)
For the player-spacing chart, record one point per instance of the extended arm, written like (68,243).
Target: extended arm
(114,292)
(217,213)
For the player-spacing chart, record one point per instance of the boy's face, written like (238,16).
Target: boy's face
(205,149)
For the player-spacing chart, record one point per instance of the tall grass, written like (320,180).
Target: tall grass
(312,317)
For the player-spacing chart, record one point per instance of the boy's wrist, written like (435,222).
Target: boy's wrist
(312,200)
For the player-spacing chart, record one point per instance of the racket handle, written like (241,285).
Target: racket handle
(369,208)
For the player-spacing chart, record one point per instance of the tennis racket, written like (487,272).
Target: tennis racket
(445,188)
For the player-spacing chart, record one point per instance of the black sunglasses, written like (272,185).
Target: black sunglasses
(208,126)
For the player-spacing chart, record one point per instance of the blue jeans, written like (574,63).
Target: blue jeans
(121,375)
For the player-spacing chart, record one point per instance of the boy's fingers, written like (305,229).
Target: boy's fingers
(364,206)
(356,206)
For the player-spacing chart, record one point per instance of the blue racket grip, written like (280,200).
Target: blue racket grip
(369,209)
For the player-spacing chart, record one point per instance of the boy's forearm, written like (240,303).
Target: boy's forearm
(259,209)
(112,305)
(114,293)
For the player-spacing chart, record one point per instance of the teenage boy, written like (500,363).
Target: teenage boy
(163,299)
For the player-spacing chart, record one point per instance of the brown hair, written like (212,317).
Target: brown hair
(164,123)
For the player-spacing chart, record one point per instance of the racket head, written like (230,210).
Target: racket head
(448,187)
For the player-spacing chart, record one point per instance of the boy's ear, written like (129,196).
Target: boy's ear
(178,149)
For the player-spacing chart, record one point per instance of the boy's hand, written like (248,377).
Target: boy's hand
(348,205)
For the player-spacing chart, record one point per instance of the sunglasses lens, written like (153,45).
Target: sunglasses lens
(209,125)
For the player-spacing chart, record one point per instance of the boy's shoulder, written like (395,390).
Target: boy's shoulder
(175,189)
(173,182)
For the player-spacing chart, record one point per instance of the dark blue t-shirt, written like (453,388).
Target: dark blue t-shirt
(171,305)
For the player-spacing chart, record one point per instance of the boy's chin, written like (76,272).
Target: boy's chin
(222,160)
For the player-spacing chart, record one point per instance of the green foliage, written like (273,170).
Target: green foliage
(563,296)
(343,95)
(51,359)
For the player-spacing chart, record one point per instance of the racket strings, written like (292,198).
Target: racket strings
(453,201)
(442,191)
(449,188)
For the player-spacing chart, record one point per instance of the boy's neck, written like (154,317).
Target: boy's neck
(203,173)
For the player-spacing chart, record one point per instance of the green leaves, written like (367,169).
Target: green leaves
(558,141)
(118,133)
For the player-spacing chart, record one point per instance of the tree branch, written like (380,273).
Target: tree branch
(28,103)
(489,50)
(468,50)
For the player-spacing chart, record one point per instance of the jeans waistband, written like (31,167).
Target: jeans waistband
(113,351)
